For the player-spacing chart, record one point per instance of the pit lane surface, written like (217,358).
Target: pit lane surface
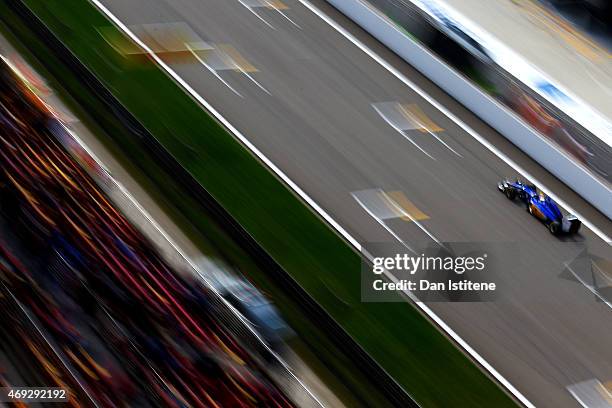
(315,107)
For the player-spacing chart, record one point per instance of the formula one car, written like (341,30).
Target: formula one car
(540,206)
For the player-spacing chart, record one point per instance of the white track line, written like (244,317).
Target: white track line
(226,123)
(415,144)
(282,14)
(414,220)
(212,71)
(450,332)
(452,117)
(439,139)
(422,125)
(257,15)
(402,132)
(174,246)
(260,86)
(383,224)
(245,73)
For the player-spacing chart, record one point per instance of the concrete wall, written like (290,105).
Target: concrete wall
(493,113)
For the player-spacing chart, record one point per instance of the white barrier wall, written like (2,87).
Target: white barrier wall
(489,110)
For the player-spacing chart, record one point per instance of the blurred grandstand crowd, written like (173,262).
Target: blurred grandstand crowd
(121,327)
(463,51)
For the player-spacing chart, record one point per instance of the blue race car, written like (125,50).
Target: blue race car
(540,206)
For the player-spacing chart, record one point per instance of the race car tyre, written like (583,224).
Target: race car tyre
(510,193)
(554,227)
(574,227)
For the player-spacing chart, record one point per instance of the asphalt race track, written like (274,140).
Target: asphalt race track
(336,122)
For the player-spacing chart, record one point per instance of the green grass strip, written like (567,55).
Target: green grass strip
(420,358)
